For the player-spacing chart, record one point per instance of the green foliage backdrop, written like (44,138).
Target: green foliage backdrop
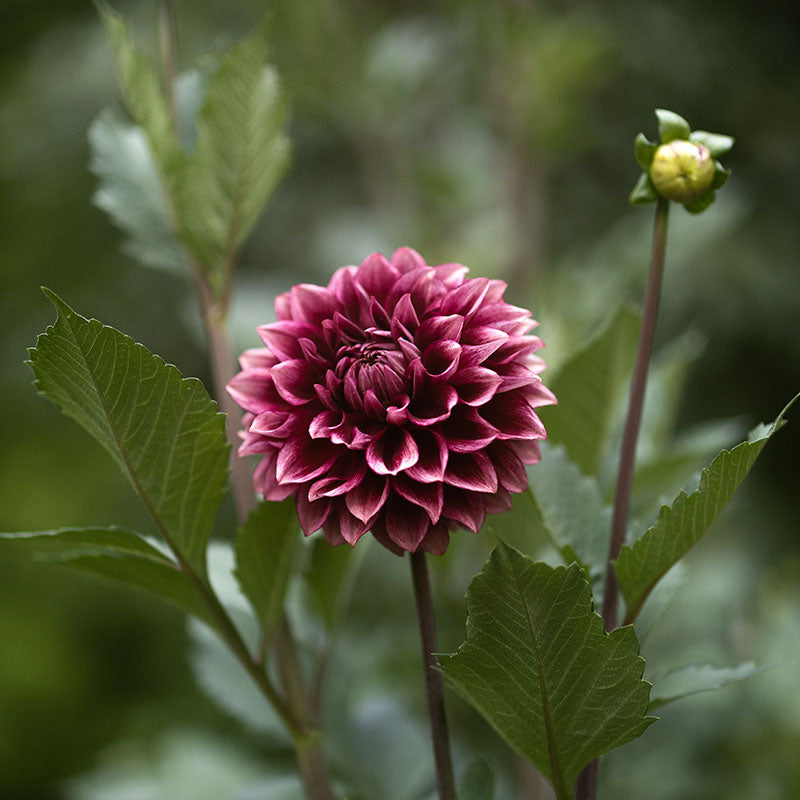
(496,134)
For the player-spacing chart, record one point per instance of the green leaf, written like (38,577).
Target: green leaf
(671,126)
(538,664)
(572,509)
(130,192)
(680,525)
(644,150)
(141,88)
(478,781)
(327,578)
(120,556)
(241,152)
(164,431)
(695,679)
(265,552)
(589,388)
(717,143)
(643,192)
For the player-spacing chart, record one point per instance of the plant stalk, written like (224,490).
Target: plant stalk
(434,690)
(587,781)
(630,433)
(292,707)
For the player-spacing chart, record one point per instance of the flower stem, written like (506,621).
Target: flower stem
(433,679)
(587,781)
(622,497)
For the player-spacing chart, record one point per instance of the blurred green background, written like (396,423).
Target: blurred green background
(498,134)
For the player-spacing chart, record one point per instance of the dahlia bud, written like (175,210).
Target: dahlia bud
(683,167)
(682,171)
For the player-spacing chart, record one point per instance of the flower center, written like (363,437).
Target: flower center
(375,364)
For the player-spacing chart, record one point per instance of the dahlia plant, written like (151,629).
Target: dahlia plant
(402,400)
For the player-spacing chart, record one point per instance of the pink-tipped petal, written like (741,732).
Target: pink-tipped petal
(392,451)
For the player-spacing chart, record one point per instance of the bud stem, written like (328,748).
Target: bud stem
(433,679)
(587,782)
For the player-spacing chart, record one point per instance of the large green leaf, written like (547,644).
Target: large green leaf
(679,526)
(696,679)
(131,193)
(142,90)
(240,154)
(265,552)
(164,431)
(538,664)
(572,510)
(589,388)
(120,556)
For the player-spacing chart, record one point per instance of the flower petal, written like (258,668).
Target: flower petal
(265,481)
(466,298)
(311,304)
(391,451)
(436,540)
(513,416)
(405,523)
(464,507)
(257,358)
(312,514)
(433,454)
(254,390)
(476,385)
(440,327)
(510,469)
(472,471)
(294,381)
(367,498)
(283,338)
(432,403)
(426,495)
(304,458)
(466,431)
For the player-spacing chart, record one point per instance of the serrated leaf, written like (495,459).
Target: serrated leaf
(130,192)
(572,509)
(643,192)
(265,551)
(141,88)
(644,150)
(696,679)
(163,430)
(241,152)
(717,143)
(588,388)
(120,556)
(539,665)
(671,126)
(680,525)
(326,578)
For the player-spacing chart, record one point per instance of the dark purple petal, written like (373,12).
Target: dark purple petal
(277,424)
(366,500)
(254,444)
(464,507)
(404,319)
(476,385)
(264,479)
(466,298)
(377,275)
(510,469)
(472,471)
(405,259)
(257,358)
(312,514)
(398,414)
(478,343)
(499,502)
(436,540)
(537,394)
(432,403)
(294,381)
(433,454)
(425,495)
(391,451)
(439,327)
(283,338)
(466,431)
(351,528)
(527,450)
(344,475)
(513,416)
(440,359)
(253,390)
(312,304)
(303,458)
(405,523)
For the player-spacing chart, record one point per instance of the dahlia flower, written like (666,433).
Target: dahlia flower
(400,399)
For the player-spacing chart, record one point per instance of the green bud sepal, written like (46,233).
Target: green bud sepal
(683,167)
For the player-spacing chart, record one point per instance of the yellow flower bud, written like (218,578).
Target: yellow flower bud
(682,170)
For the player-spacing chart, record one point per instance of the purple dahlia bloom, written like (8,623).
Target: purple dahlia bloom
(400,400)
